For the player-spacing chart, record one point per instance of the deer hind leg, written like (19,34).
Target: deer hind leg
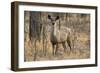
(66,50)
(64,46)
(69,42)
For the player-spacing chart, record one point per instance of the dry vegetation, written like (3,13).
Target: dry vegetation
(37,40)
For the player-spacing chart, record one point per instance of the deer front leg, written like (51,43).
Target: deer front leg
(54,49)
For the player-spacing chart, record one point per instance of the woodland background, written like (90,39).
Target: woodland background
(41,49)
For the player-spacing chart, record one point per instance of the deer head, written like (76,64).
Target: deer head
(53,19)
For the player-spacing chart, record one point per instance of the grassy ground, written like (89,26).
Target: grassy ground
(81,50)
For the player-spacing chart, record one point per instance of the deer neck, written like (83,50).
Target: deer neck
(54,29)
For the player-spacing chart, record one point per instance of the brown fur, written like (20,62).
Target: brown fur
(59,36)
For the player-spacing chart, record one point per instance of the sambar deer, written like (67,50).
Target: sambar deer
(59,36)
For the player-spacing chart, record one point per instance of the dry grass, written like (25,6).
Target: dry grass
(81,50)
(39,52)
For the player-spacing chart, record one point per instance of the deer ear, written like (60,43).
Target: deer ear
(49,17)
(57,17)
